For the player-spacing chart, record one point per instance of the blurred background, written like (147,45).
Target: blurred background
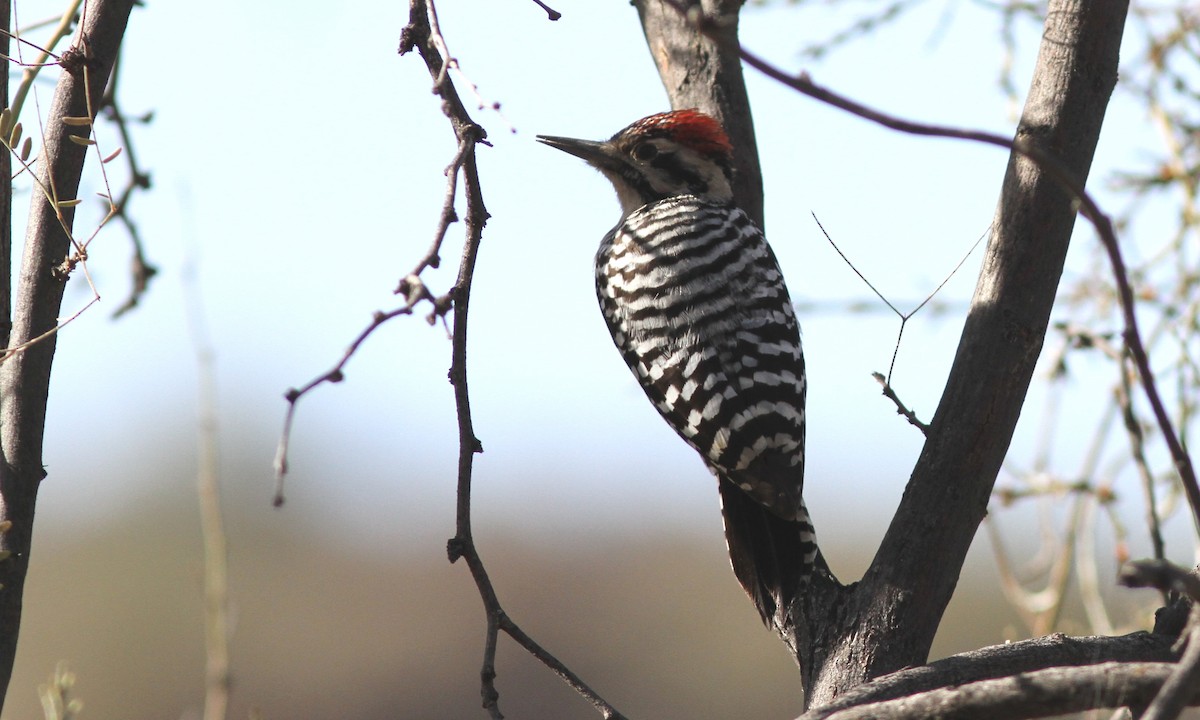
(297,175)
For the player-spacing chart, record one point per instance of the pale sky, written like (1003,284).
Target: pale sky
(300,161)
(297,166)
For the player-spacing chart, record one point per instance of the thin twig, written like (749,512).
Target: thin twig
(890,394)
(141,270)
(66,23)
(563,672)
(904,317)
(423,35)
(449,62)
(9,352)
(46,53)
(1137,447)
(332,375)
(551,13)
(448,216)
(1162,575)
(208,489)
(411,287)
(857,272)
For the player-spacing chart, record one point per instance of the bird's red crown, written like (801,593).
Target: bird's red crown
(688,127)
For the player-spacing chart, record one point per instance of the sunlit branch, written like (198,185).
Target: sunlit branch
(1048,163)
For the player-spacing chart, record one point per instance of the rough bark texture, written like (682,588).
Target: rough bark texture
(700,72)
(899,604)
(978,667)
(846,635)
(1039,693)
(25,377)
(5,194)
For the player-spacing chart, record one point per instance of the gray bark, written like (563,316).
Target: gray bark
(700,72)
(1039,693)
(927,684)
(25,376)
(846,635)
(5,195)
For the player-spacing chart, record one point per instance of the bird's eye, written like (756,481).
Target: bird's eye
(644,152)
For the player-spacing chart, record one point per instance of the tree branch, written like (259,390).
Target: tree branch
(5,193)
(422,34)
(888,620)
(25,376)
(904,592)
(142,271)
(1041,693)
(1048,162)
(901,409)
(701,67)
(998,663)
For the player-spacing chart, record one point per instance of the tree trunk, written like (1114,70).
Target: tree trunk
(846,635)
(700,72)
(25,375)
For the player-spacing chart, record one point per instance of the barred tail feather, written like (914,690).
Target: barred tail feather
(771,557)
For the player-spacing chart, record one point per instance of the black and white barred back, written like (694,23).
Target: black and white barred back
(696,304)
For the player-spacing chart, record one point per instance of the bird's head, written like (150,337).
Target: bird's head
(682,152)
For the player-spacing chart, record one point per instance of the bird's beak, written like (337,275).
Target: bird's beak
(595,153)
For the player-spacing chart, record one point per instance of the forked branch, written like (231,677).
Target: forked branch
(422,35)
(903,594)
(1048,162)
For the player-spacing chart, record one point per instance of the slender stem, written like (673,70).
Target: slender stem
(32,69)
(422,35)
(212,522)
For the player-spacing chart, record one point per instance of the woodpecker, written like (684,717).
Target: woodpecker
(696,304)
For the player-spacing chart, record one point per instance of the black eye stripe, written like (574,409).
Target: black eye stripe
(669,163)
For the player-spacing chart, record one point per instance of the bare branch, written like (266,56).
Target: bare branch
(551,13)
(1137,443)
(1042,693)
(217,626)
(141,271)
(49,248)
(1182,686)
(411,287)
(857,272)
(1162,575)
(890,394)
(333,375)
(422,34)
(1035,144)
(1015,679)
(1050,164)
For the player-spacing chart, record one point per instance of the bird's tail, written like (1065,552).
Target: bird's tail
(772,558)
